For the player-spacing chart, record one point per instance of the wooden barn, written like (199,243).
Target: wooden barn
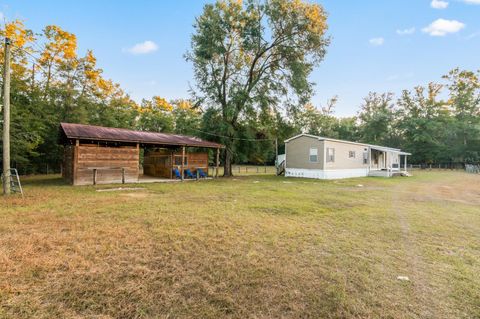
(105,155)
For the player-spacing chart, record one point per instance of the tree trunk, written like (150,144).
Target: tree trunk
(227,162)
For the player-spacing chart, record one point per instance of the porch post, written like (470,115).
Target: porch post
(218,162)
(172,163)
(405,168)
(183,162)
(369,155)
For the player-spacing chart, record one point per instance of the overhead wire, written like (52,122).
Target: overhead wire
(236,138)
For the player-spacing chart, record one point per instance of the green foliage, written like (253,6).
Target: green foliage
(251,64)
(250,57)
(376,119)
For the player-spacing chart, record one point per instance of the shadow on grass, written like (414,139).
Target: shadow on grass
(43,180)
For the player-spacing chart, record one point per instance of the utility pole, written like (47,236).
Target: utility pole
(6,119)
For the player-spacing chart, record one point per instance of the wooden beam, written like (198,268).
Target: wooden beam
(75,162)
(172,164)
(183,162)
(218,162)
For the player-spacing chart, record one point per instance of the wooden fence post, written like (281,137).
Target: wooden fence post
(123,175)
(94,176)
(218,163)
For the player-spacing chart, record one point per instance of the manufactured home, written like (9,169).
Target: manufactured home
(105,155)
(319,157)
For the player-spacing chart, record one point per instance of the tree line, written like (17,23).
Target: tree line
(252,61)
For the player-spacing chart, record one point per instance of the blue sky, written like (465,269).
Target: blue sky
(367,52)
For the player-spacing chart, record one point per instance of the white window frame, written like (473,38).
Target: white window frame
(330,157)
(310,154)
(350,153)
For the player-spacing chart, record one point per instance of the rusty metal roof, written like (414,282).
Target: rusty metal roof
(100,133)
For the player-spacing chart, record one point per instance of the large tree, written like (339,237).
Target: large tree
(422,118)
(376,118)
(464,99)
(252,55)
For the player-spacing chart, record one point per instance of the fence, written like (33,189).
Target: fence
(245,170)
(473,169)
(39,169)
(452,165)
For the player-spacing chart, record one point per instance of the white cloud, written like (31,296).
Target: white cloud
(143,48)
(439,4)
(406,31)
(472,1)
(442,27)
(377,41)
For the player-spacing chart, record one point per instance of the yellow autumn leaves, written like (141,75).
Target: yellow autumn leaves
(313,15)
(55,49)
(17,33)
(162,105)
(61,46)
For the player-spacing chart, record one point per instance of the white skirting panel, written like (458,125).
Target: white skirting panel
(326,174)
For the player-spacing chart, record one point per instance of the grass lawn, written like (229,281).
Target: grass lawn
(248,247)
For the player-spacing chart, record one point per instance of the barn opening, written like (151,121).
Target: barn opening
(105,155)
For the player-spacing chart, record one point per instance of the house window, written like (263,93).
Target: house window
(314,155)
(330,154)
(351,154)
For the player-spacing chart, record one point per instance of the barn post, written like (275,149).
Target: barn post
(172,163)
(218,163)
(183,162)
(75,161)
(138,161)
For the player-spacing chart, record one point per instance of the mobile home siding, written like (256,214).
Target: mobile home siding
(298,153)
(342,159)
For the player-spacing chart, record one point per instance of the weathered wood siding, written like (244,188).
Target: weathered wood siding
(107,161)
(67,170)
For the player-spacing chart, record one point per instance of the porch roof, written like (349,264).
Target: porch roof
(388,149)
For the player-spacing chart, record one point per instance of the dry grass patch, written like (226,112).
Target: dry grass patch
(238,249)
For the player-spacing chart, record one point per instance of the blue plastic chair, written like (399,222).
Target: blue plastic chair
(176,173)
(189,174)
(201,173)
